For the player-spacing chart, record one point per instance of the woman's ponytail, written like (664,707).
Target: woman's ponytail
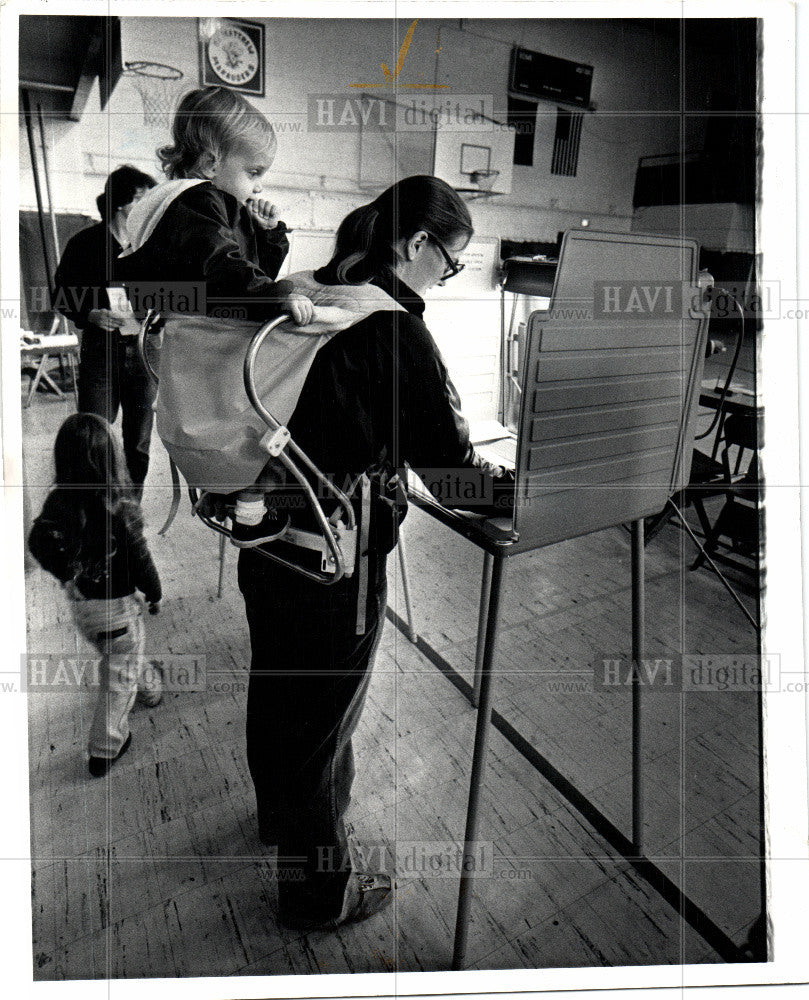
(356,239)
(366,242)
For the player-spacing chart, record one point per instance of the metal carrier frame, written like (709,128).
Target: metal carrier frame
(338,538)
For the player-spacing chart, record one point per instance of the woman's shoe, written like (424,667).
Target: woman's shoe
(365,894)
(99,766)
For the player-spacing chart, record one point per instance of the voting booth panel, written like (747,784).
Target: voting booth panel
(609,380)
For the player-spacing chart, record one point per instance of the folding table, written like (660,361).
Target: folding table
(41,351)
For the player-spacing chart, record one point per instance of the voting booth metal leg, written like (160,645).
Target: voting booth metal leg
(485,591)
(222,541)
(638,653)
(478,762)
(400,548)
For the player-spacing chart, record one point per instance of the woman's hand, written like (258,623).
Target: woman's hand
(299,307)
(106,319)
(263,213)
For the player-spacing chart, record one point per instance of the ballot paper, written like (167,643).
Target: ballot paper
(502,452)
(119,303)
(484,431)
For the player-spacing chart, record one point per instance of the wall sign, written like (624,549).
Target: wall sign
(231,54)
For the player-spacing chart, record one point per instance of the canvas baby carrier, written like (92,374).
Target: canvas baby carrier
(227,390)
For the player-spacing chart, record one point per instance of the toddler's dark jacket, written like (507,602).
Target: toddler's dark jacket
(205,236)
(120,565)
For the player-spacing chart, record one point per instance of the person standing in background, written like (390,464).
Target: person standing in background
(111,374)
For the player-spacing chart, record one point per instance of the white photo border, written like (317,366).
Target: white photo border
(785,624)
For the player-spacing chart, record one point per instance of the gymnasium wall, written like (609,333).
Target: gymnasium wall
(316,176)
(315,179)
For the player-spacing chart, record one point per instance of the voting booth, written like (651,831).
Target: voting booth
(609,376)
(526,286)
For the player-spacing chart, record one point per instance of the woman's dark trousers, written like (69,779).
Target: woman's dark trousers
(309,677)
(112,377)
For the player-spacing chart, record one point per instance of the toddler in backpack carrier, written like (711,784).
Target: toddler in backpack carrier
(211,225)
(219,440)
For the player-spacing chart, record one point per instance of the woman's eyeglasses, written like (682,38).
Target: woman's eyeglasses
(453,267)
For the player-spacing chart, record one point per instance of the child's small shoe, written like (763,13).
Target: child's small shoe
(99,766)
(271,527)
(151,700)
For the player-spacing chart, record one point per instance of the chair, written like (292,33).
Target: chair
(707,480)
(36,358)
(739,518)
(707,472)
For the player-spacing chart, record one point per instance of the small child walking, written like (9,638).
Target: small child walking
(90,537)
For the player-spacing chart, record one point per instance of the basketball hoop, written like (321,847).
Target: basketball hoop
(484,179)
(156,83)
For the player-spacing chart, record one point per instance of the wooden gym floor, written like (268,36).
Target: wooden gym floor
(157,871)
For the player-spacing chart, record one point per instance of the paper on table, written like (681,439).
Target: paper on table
(57,340)
(484,431)
(119,303)
(502,452)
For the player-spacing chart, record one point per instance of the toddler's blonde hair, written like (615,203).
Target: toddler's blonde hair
(212,120)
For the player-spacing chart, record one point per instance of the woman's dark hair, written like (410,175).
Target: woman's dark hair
(212,120)
(121,187)
(92,479)
(365,244)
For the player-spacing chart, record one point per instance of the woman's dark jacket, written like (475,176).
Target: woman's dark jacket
(378,397)
(88,266)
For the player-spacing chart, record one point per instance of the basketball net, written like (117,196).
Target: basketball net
(157,85)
